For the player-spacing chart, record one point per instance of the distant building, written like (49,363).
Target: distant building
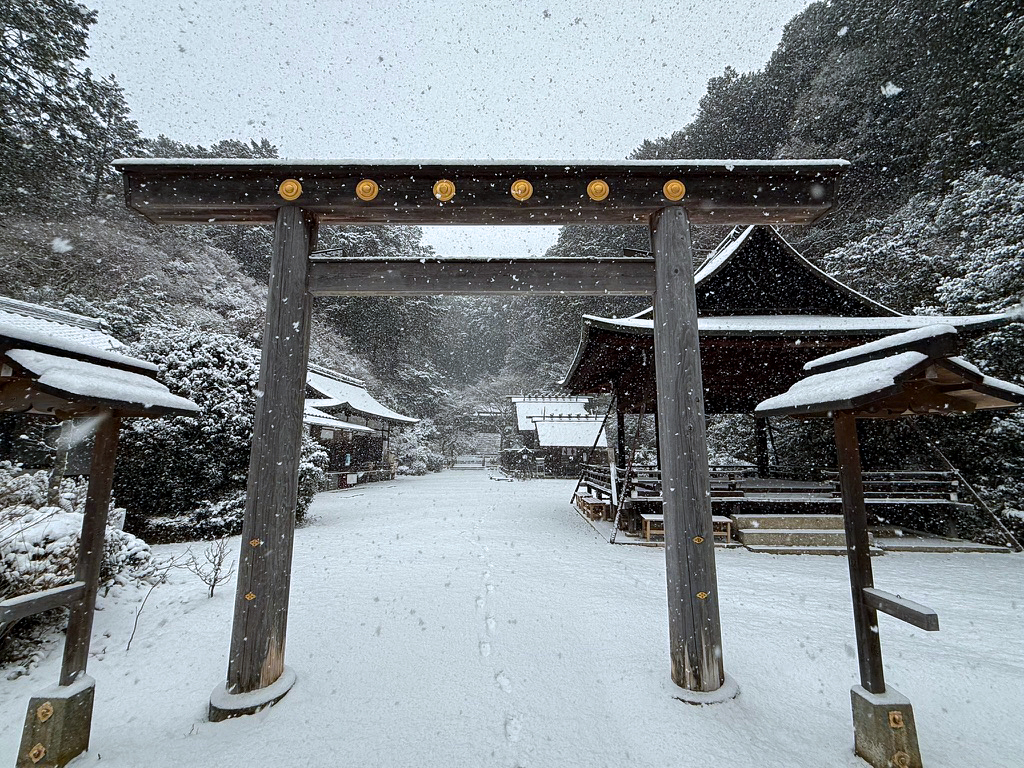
(354,428)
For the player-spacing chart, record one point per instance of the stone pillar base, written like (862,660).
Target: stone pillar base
(57,725)
(884,732)
(224,705)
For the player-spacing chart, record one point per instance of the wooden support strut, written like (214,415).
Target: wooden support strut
(865,617)
(90,549)
(256,658)
(695,635)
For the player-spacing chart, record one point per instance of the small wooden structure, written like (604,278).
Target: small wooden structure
(357,431)
(528,407)
(912,373)
(50,371)
(298,196)
(567,443)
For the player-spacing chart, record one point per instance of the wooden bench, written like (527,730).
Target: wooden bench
(592,507)
(721,526)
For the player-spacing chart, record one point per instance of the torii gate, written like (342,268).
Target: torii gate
(297,196)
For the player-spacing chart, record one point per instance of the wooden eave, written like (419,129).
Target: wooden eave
(784,192)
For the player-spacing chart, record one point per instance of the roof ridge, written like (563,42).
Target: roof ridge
(41,312)
(332,374)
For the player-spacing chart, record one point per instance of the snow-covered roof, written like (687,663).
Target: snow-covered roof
(728,165)
(906,341)
(907,373)
(561,432)
(805,325)
(348,394)
(78,381)
(57,324)
(528,408)
(316,417)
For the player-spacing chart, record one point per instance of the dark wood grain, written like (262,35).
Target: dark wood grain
(733,193)
(481,276)
(90,548)
(865,618)
(19,607)
(695,641)
(264,571)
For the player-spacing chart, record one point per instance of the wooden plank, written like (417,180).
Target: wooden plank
(695,635)
(481,276)
(717,192)
(19,607)
(90,549)
(264,572)
(900,608)
(865,619)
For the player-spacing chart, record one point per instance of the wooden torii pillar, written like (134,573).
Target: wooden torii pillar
(297,196)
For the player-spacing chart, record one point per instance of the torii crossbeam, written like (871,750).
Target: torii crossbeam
(296,196)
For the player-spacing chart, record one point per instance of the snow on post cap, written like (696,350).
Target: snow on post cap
(939,340)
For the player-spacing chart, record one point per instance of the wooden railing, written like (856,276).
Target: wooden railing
(894,484)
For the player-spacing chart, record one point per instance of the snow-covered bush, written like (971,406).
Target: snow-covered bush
(183,478)
(417,449)
(39,543)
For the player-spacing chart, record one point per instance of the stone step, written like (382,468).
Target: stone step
(791,522)
(789,537)
(777,550)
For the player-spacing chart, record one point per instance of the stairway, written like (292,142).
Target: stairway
(793,534)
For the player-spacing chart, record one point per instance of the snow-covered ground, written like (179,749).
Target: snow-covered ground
(453,620)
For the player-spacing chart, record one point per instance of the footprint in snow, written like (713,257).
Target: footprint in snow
(513,727)
(485,649)
(503,682)
(492,625)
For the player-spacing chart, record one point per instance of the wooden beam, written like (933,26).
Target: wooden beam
(481,276)
(90,549)
(723,192)
(695,634)
(865,619)
(256,657)
(902,609)
(19,607)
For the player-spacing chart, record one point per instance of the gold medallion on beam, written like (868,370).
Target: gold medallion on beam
(521,190)
(44,712)
(37,753)
(367,189)
(290,189)
(598,190)
(674,190)
(444,190)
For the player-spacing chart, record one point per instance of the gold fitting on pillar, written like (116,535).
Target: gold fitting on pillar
(37,753)
(698,539)
(702,595)
(598,190)
(901,760)
(444,190)
(290,189)
(44,712)
(521,190)
(895,719)
(250,596)
(674,190)
(254,543)
(367,189)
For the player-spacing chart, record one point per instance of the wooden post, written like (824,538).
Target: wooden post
(90,549)
(865,618)
(256,658)
(620,435)
(695,642)
(761,445)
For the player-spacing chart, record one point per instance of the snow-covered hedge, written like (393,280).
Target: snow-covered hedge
(39,543)
(184,478)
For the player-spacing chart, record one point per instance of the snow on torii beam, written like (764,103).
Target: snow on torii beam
(297,196)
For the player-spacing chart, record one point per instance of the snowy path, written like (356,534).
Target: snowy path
(456,621)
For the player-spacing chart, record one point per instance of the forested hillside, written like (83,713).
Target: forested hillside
(923,96)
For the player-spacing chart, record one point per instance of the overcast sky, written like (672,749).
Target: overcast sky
(432,79)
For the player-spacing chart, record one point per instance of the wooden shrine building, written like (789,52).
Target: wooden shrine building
(567,443)
(763,312)
(354,427)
